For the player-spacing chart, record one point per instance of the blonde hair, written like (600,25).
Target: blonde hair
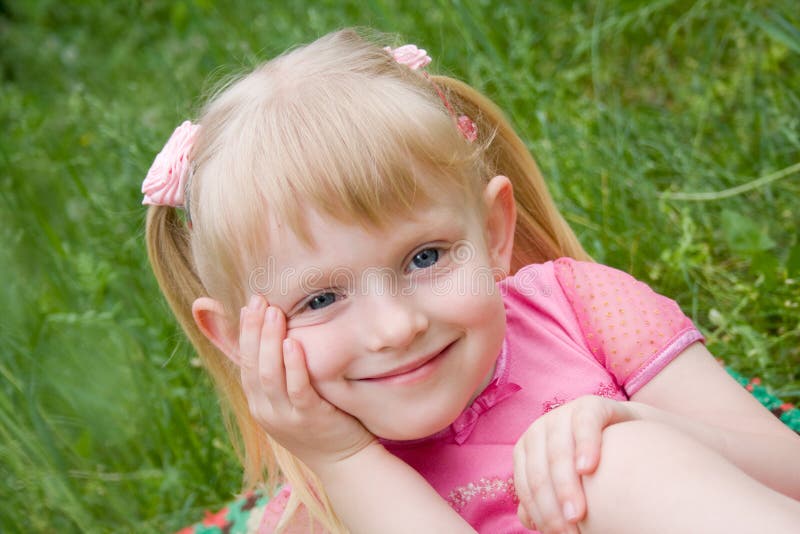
(337,126)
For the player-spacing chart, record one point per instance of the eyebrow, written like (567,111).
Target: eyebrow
(424,231)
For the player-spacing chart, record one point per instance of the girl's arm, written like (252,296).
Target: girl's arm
(374,491)
(692,395)
(370,489)
(695,395)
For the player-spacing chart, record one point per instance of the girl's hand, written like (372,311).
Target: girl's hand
(281,398)
(552,454)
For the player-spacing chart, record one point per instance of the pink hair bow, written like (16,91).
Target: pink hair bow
(417,58)
(165,182)
(468,128)
(409,55)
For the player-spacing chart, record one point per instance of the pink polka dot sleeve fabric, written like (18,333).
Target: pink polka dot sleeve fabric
(631,330)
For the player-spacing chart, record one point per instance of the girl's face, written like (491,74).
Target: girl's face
(401,328)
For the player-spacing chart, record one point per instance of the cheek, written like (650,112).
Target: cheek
(325,350)
(472,294)
(480,309)
(484,317)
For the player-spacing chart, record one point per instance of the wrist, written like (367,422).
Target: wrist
(361,460)
(638,411)
(635,411)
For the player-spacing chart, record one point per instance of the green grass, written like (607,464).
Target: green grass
(106,424)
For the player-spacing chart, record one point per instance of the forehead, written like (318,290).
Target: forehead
(334,243)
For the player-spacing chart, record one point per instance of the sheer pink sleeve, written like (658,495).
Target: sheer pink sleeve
(631,330)
(300,523)
(274,510)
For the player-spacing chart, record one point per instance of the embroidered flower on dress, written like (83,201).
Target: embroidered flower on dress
(552,404)
(166,180)
(488,489)
(607,390)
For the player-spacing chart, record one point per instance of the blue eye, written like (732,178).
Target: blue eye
(425,258)
(322,300)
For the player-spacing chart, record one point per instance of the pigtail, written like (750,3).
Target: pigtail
(169,251)
(542,233)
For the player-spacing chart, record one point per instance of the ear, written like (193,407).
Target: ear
(501,220)
(209,315)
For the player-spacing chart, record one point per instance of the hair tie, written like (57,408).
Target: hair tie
(165,183)
(417,58)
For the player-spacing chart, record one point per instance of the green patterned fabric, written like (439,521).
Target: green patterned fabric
(786,412)
(243,515)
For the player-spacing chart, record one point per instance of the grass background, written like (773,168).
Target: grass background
(107,424)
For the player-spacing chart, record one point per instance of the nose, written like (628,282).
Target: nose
(392,322)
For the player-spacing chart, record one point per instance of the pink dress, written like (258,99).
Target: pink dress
(573,328)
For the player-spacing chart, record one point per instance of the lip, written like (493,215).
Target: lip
(410,372)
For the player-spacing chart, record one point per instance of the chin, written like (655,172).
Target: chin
(400,435)
(413,428)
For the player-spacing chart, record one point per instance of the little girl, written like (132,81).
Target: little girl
(410,338)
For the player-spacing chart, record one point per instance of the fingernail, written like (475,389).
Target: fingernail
(569,511)
(287,346)
(272,314)
(582,463)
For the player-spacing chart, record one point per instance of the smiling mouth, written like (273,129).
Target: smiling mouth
(410,367)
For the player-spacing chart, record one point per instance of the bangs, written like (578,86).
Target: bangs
(359,156)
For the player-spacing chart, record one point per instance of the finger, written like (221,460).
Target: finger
(587,427)
(566,485)
(524,518)
(271,371)
(299,390)
(249,346)
(250,332)
(544,510)
(521,486)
